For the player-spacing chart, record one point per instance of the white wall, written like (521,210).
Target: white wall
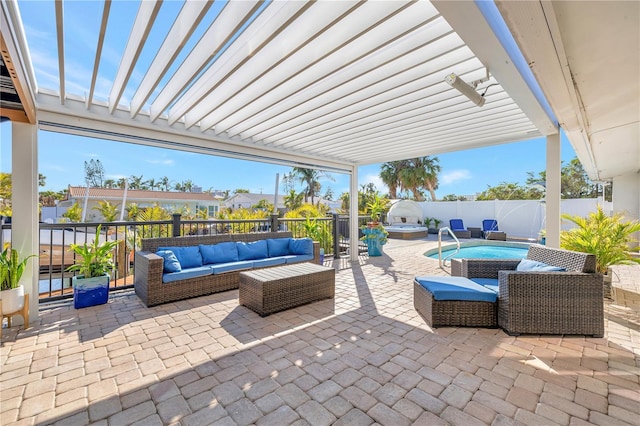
(518,218)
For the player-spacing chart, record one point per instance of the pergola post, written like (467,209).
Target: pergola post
(25,227)
(353,214)
(553,191)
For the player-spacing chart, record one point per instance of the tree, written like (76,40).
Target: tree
(94,173)
(136,182)
(165,183)
(390,175)
(453,197)
(109,183)
(240,191)
(328,194)
(293,199)
(263,205)
(108,211)
(574,182)
(510,191)
(73,213)
(413,174)
(310,178)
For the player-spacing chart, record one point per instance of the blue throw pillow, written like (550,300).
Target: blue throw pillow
(253,250)
(278,247)
(301,246)
(219,253)
(189,257)
(171,263)
(532,265)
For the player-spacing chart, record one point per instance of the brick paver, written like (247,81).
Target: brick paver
(364,357)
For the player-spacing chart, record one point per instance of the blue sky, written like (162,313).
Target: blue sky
(61,159)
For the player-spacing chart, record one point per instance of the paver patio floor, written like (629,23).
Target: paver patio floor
(365,357)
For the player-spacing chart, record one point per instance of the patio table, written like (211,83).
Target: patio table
(270,290)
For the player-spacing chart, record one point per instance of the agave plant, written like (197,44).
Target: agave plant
(608,237)
(94,259)
(11,268)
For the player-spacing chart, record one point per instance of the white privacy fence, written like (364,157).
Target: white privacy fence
(518,218)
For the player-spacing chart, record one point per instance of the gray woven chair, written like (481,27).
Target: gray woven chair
(570,302)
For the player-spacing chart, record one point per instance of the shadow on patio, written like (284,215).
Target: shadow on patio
(363,357)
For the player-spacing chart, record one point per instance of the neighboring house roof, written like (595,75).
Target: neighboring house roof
(136,194)
(245,198)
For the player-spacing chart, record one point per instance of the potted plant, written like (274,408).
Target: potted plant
(12,294)
(375,237)
(436,225)
(93,263)
(427,222)
(375,208)
(608,237)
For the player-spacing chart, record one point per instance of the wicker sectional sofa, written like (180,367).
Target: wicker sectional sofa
(569,301)
(154,285)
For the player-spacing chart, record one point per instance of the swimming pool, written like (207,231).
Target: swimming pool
(485,251)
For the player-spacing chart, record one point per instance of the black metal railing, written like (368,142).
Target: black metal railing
(56,256)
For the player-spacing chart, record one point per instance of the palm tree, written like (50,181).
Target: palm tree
(109,183)
(432,168)
(390,175)
(136,182)
(293,200)
(420,173)
(310,177)
(165,183)
(151,183)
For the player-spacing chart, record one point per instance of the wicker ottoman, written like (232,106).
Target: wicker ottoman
(481,312)
(270,290)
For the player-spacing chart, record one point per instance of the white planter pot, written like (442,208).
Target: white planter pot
(12,300)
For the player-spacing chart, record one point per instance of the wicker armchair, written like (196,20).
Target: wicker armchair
(570,302)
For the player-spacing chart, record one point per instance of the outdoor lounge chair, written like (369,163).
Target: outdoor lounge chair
(551,291)
(490,230)
(457,227)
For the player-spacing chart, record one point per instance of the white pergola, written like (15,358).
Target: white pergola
(328,84)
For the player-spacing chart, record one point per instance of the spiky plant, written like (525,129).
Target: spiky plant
(94,259)
(11,268)
(608,237)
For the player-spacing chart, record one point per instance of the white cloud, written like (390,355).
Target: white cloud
(454,176)
(167,162)
(375,179)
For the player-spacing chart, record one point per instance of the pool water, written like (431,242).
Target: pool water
(485,252)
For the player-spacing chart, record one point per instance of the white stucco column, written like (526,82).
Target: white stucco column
(353,214)
(24,201)
(626,196)
(553,193)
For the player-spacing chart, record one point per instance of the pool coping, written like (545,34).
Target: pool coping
(451,245)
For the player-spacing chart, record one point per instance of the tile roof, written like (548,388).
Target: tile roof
(118,193)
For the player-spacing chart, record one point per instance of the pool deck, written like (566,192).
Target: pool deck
(365,357)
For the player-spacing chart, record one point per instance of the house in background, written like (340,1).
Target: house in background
(247,200)
(171,201)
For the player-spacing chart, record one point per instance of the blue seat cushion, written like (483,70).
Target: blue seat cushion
(171,262)
(269,261)
(533,265)
(189,257)
(200,271)
(456,288)
(252,250)
(490,283)
(296,258)
(219,253)
(231,266)
(301,246)
(278,246)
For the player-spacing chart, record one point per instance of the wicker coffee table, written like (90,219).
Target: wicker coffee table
(270,290)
